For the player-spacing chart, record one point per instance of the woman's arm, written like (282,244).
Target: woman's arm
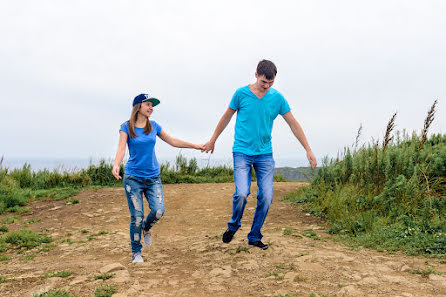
(119,154)
(178,142)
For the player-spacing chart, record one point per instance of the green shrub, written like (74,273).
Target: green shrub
(3,229)
(64,273)
(105,291)
(388,197)
(25,238)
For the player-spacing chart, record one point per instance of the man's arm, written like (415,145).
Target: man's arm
(224,121)
(300,135)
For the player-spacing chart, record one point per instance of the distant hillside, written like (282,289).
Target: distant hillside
(299,173)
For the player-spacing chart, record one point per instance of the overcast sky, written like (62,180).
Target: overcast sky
(70,69)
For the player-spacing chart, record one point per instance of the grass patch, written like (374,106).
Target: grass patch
(54,194)
(242,249)
(4,258)
(19,210)
(64,273)
(285,267)
(103,276)
(72,201)
(28,257)
(32,221)
(68,240)
(426,271)
(45,247)
(105,291)
(311,234)
(54,293)
(276,274)
(25,238)
(3,229)
(11,219)
(287,231)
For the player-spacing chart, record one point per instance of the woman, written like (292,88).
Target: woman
(142,170)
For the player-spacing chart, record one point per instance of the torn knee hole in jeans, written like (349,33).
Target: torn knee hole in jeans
(135,203)
(159,214)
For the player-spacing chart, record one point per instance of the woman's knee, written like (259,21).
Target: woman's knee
(159,212)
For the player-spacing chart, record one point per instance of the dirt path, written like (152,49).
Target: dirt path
(187,257)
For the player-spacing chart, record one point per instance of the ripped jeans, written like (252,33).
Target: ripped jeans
(153,190)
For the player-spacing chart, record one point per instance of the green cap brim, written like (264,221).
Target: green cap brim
(154,101)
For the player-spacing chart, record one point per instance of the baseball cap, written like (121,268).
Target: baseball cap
(145,97)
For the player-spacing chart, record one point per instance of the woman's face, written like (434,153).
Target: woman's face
(146,109)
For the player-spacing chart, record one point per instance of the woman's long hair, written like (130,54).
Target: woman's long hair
(132,121)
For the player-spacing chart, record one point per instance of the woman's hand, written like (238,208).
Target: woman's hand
(115,172)
(199,147)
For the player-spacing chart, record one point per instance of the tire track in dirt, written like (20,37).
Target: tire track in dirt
(187,257)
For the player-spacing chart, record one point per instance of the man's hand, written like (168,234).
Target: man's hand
(312,159)
(208,146)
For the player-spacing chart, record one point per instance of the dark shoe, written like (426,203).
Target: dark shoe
(258,244)
(228,235)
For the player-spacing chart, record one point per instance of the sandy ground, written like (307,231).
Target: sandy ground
(187,257)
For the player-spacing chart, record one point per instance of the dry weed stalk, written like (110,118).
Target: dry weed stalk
(358,135)
(389,129)
(427,122)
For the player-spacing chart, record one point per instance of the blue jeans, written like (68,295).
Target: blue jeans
(152,188)
(264,168)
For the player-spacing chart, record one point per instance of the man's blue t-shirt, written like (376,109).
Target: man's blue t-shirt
(142,160)
(255,118)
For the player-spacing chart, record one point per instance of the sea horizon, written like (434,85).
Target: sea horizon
(76,164)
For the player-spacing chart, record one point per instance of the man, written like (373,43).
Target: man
(257,105)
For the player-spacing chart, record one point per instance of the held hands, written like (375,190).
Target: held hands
(208,147)
(115,172)
(199,147)
(312,159)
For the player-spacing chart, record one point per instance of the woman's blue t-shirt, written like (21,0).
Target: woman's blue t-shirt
(142,161)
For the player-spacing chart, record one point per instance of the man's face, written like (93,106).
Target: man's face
(263,83)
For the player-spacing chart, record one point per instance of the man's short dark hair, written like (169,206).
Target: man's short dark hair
(267,68)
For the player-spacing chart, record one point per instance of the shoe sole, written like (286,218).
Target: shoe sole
(262,248)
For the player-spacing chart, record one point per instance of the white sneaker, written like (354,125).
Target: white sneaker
(147,238)
(137,258)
